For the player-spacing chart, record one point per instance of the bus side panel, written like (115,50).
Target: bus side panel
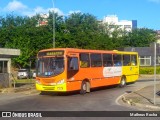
(94,75)
(73,85)
(104,81)
(131,73)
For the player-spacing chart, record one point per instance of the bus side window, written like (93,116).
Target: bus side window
(84,60)
(133,60)
(107,60)
(96,60)
(126,60)
(117,58)
(83,63)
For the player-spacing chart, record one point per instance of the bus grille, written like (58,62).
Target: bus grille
(48,88)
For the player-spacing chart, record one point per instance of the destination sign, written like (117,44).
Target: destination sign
(51,53)
(54,53)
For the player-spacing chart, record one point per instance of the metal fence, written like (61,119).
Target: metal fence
(9,80)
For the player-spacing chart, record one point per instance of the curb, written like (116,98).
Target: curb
(27,90)
(131,103)
(27,87)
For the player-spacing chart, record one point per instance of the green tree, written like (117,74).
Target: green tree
(83,29)
(78,30)
(140,37)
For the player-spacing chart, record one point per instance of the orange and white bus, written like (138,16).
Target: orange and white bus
(70,69)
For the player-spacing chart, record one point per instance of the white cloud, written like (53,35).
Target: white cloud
(77,11)
(20,8)
(57,10)
(41,10)
(15,6)
(155,1)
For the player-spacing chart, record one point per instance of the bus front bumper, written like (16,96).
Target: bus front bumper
(53,88)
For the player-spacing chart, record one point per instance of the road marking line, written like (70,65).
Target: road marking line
(119,98)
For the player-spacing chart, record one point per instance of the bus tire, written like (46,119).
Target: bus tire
(122,82)
(83,87)
(43,93)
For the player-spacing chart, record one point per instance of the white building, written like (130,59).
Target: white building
(43,21)
(112,21)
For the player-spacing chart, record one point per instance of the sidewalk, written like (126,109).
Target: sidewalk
(21,88)
(11,93)
(143,98)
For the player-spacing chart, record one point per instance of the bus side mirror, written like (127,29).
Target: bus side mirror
(73,63)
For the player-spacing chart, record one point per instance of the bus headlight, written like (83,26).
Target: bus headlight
(60,82)
(38,82)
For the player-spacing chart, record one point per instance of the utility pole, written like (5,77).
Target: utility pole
(155,48)
(54,34)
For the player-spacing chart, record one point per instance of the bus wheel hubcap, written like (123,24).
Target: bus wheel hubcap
(123,82)
(84,86)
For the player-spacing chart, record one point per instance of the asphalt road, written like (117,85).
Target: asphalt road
(98,100)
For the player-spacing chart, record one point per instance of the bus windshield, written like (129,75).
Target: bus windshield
(50,66)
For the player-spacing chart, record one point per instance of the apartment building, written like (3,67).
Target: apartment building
(127,25)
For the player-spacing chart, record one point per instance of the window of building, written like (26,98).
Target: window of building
(117,59)
(127,26)
(3,67)
(158,60)
(84,60)
(107,60)
(96,60)
(145,60)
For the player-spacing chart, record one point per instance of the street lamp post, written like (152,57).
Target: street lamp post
(155,48)
(53,25)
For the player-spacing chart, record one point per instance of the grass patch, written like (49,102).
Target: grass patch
(24,81)
(149,70)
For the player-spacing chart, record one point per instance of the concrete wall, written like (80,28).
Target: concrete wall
(6,55)
(12,52)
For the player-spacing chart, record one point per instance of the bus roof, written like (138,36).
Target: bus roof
(88,50)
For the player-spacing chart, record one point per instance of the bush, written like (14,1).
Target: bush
(149,70)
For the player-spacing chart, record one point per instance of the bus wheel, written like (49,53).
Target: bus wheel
(123,82)
(43,93)
(83,88)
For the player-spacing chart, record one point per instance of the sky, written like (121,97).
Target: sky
(146,12)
